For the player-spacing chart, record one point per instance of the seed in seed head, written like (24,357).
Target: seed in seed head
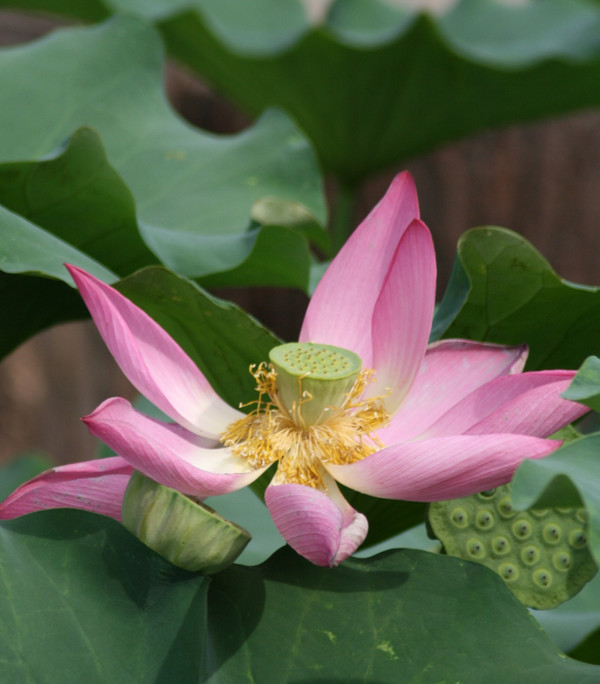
(500,545)
(552,533)
(459,517)
(540,513)
(522,528)
(530,555)
(543,578)
(505,508)
(509,572)
(475,548)
(488,494)
(485,520)
(562,560)
(577,538)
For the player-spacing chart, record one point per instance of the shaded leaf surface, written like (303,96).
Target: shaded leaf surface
(193,192)
(479,65)
(221,339)
(502,290)
(82,600)
(573,622)
(585,387)
(29,306)
(76,195)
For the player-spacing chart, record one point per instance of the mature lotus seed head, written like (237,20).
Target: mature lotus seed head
(542,555)
(313,379)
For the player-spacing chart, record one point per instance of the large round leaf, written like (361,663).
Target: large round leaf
(194,193)
(503,290)
(374,84)
(82,600)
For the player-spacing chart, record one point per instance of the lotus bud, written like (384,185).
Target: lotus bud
(187,533)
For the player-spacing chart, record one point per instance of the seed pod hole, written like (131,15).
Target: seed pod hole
(488,494)
(508,572)
(562,560)
(577,538)
(500,546)
(485,520)
(552,533)
(459,517)
(522,528)
(530,555)
(540,513)
(582,515)
(475,548)
(505,508)
(543,578)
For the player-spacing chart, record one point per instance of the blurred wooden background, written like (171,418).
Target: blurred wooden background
(542,180)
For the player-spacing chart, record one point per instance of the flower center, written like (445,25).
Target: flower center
(312,380)
(310,411)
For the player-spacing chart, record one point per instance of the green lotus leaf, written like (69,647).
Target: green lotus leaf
(83,600)
(191,194)
(374,84)
(502,290)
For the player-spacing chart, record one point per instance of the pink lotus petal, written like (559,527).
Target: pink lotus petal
(527,404)
(403,315)
(96,486)
(341,309)
(168,453)
(321,526)
(442,467)
(450,371)
(152,361)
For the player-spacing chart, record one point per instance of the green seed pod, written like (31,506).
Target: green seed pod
(542,555)
(188,534)
(313,379)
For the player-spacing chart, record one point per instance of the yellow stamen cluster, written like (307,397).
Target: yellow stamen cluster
(270,433)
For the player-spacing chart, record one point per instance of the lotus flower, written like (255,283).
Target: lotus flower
(420,422)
